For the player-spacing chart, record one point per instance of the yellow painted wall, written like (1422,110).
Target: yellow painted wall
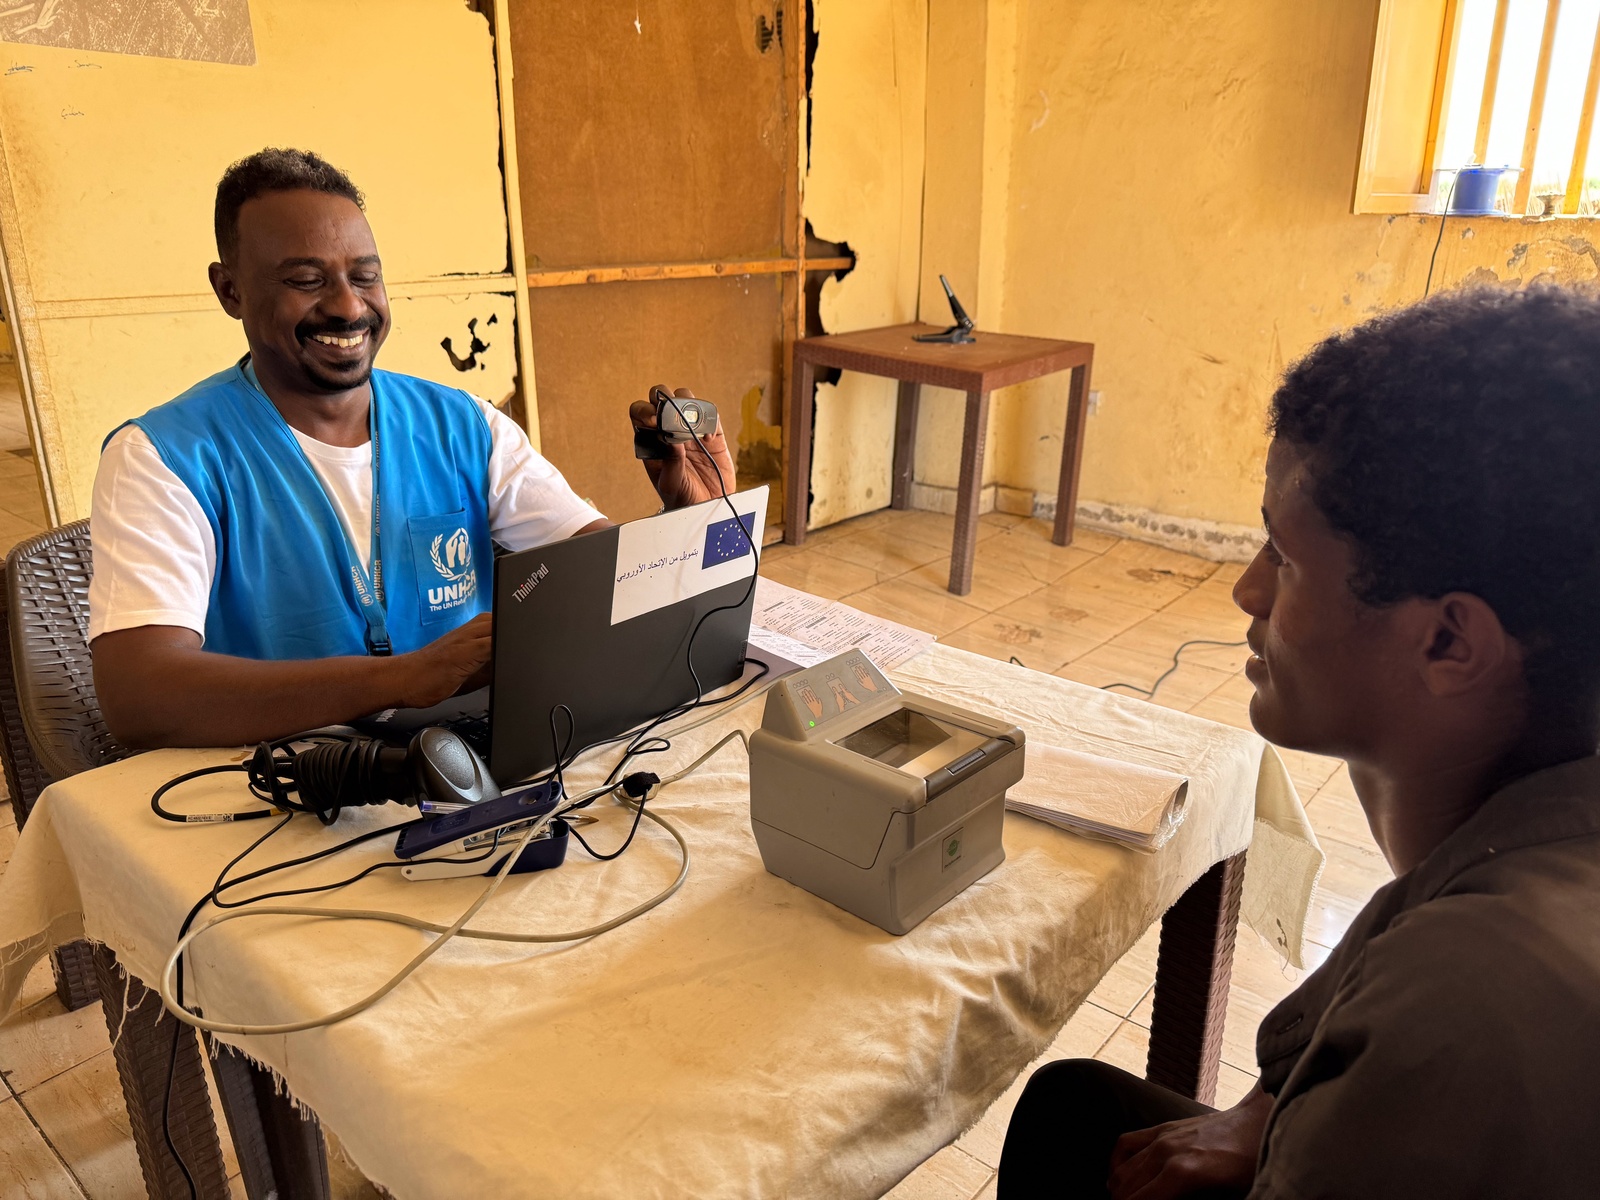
(113,162)
(864,186)
(1174,185)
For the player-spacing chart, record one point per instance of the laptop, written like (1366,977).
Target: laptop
(592,634)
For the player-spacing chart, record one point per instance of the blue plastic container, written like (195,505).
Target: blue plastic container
(1474,191)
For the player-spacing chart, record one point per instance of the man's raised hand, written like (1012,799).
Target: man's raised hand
(685,476)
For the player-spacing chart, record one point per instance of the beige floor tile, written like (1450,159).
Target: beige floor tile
(951,1174)
(8,839)
(1111,663)
(1174,629)
(1229,704)
(1340,784)
(820,574)
(1042,560)
(1309,771)
(1092,540)
(1034,647)
(82,1113)
(990,1190)
(14,529)
(1229,572)
(1233,1085)
(937,612)
(1349,878)
(17,466)
(1002,520)
(993,584)
(29,1169)
(881,551)
(1129,1048)
(44,1040)
(1130,977)
(1081,1037)
(1335,815)
(1065,607)
(1148,576)
(935,529)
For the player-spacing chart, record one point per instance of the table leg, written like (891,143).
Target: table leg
(165,1095)
(281,1150)
(905,443)
(1193,968)
(968,491)
(1072,454)
(797,443)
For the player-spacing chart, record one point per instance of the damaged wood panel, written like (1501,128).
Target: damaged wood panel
(197,30)
(600,349)
(653,132)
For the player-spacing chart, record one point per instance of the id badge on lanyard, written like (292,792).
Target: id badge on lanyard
(369,589)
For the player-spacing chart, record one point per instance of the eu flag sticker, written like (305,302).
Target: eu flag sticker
(725,541)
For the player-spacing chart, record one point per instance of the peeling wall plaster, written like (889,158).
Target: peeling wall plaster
(1177,191)
(864,186)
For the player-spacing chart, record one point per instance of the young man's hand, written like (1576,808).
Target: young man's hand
(1215,1154)
(685,476)
(460,661)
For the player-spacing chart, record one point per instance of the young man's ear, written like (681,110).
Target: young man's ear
(227,293)
(1465,645)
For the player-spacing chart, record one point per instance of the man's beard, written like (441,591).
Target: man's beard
(324,380)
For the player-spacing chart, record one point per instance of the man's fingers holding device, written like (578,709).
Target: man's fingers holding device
(665,429)
(459,661)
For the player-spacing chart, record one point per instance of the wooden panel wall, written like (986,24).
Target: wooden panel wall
(665,132)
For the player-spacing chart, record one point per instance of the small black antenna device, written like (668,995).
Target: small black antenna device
(959,333)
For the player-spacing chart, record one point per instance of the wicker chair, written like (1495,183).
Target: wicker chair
(50,725)
(50,728)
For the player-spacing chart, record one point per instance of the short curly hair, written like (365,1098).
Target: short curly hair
(1456,443)
(273,170)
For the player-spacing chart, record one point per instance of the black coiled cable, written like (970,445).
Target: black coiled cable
(321,779)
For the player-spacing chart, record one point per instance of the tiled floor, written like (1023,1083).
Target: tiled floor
(21,506)
(1099,611)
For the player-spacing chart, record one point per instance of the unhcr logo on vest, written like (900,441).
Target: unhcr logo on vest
(452,558)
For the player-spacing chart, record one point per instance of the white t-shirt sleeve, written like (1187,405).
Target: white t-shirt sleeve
(154,554)
(530,502)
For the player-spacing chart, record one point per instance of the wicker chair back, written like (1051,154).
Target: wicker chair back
(47,610)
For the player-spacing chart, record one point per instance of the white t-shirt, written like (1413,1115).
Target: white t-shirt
(154,554)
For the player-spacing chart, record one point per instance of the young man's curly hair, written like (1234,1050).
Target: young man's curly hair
(273,170)
(1457,444)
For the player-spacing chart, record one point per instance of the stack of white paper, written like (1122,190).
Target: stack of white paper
(1134,806)
(790,628)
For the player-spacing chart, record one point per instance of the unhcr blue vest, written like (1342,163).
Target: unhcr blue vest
(287,581)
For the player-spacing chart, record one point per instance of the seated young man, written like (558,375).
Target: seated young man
(1427,607)
(300,539)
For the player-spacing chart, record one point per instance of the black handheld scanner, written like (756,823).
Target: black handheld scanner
(679,420)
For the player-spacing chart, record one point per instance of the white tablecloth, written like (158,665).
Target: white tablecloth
(744,1039)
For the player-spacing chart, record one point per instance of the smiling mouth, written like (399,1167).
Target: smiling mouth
(347,342)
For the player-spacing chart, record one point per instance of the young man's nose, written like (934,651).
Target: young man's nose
(1252,591)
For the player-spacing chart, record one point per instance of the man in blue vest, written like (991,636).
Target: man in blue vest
(300,539)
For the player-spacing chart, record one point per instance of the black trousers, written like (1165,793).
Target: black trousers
(1068,1121)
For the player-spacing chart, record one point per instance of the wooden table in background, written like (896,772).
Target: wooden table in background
(995,360)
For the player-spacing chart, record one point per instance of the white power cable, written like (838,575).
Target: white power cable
(446,932)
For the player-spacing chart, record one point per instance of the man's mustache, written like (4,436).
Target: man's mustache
(307,329)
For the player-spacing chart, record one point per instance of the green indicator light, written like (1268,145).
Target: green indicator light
(813,725)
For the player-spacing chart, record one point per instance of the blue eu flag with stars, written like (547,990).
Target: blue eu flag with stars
(725,541)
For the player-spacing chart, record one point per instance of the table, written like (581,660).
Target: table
(995,360)
(744,1039)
